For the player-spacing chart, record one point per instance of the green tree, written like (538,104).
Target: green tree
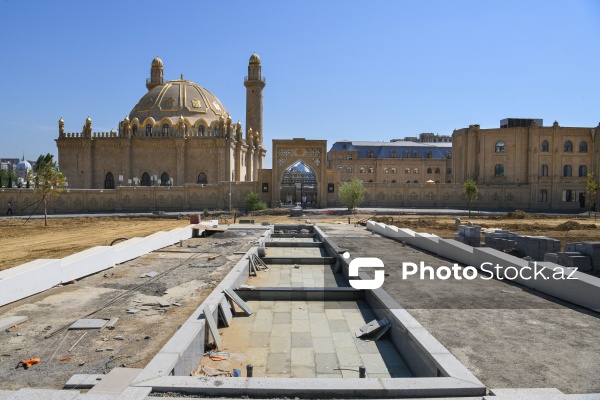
(352,193)
(8,178)
(253,202)
(48,181)
(591,188)
(471,193)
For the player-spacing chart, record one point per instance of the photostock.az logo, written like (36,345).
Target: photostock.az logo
(365,262)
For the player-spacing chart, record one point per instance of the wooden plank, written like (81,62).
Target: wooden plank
(212,327)
(241,303)
(225,312)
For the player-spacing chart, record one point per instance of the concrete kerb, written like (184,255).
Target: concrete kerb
(455,250)
(130,249)
(87,262)
(28,279)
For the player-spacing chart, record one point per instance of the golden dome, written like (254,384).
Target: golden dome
(254,59)
(157,62)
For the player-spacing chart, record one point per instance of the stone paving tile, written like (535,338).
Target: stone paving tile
(259,339)
(343,340)
(257,356)
(320,330)
(282,317)
(280,344)
(334,375)
(374,363)
(334,313)
(349,358)
(282,306)
(303,372)
(301,339)
(365,347)
(278,363)
(317,317)
(326,363)
(323,345)
(303,357)
(300,325)
(338,325)
(282,330)
(351,373)
(262,325)
(300,314)
(315,306)
(264,304)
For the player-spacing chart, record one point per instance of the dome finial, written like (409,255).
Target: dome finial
(254,59)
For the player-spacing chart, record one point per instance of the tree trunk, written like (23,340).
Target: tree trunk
(45,212)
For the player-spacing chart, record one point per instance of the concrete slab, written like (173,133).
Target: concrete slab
(456,251)
(86,263)
(130,249)
(89,323)
(45,394)
(7,322)
(28,279)
(84,381)
(116,381)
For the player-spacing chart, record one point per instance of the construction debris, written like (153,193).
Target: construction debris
(373,329)
(78,340)
(28,363)
(10,322)
(217,355)
(237,300)
(151,274)
(88,323)
(212,327)
(208,371)
(111,323)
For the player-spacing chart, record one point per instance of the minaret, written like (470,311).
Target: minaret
(254,83)
(156,74)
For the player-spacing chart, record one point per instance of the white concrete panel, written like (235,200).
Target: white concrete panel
(456,251)
(426,241)
(380,228)
(87,262)
(130,249)
(391,231)
(28,279)
(159,240)
(371,225)
(182,233)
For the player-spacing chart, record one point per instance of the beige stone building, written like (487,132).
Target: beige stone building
(178,133)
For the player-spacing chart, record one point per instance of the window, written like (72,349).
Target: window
(415,181)
(448,171)
(448,181)
(370,180)
(407,181)
(165,179)
(582,170)
(544,170)
(394,154)
(348,170)
(568,195)
(386,170)
(543,196)
(448,155)
(416,170)
(393,181)
(437,171)
(215,131)
(568,147)
(385,181)
(394,170)
(370,154)
(145,179)
(165,129)
(567,170)
(371,170)
(500,147)
(545,146)
(201,130)
(437,181)
(406,154)
(583,147)
(415,154)
(109,181)
(348,156)
(361,170)
(148,129)
(134,130)
(429,154)
(202,178)
(407,171)
(429,170)
(499,170)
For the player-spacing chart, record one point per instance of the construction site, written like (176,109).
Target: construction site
(269,308)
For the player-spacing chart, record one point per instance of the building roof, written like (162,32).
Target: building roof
(177,98)
(384,149)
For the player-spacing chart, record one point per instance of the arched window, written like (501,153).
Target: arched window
(448,181)
(385,181)
(429,154)
(370,180)
(406,154)
(415,181)
(448,155)
(349,170)
(429,170)
(370,154)
(448,171)
(545,146)
(582,170)
(499,170)
(437,181)
(407,171)
(437,171)
(201,130)
(361,170)
(109,181)
(371,170)
(568,147)
(543,195)
(415,154)
(165,129)
(215,131)
(134,130)
(148,129)
(394,154)
(394,170)
(145,179)
(567,170)
(416,170)
(500,147)
(393,181)
(407,181)
(583,147)
(386,170)
(165,179)
(202,178)
(544,170)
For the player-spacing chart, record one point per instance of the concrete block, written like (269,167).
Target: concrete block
(371,226)
(159,240)
(455,251)
(86,263)
(379,227)
(130,249)
(161,365)
(7,322)
(116,381)
(183,233)
(426,241)
(28,279)
(83,381)
(391,231)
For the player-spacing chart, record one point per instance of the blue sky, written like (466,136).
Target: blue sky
(335,69)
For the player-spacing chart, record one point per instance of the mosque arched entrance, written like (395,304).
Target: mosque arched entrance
(297,181)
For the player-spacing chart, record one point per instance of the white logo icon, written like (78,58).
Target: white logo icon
(366,262)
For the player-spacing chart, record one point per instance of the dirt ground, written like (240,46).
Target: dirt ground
(23,242)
